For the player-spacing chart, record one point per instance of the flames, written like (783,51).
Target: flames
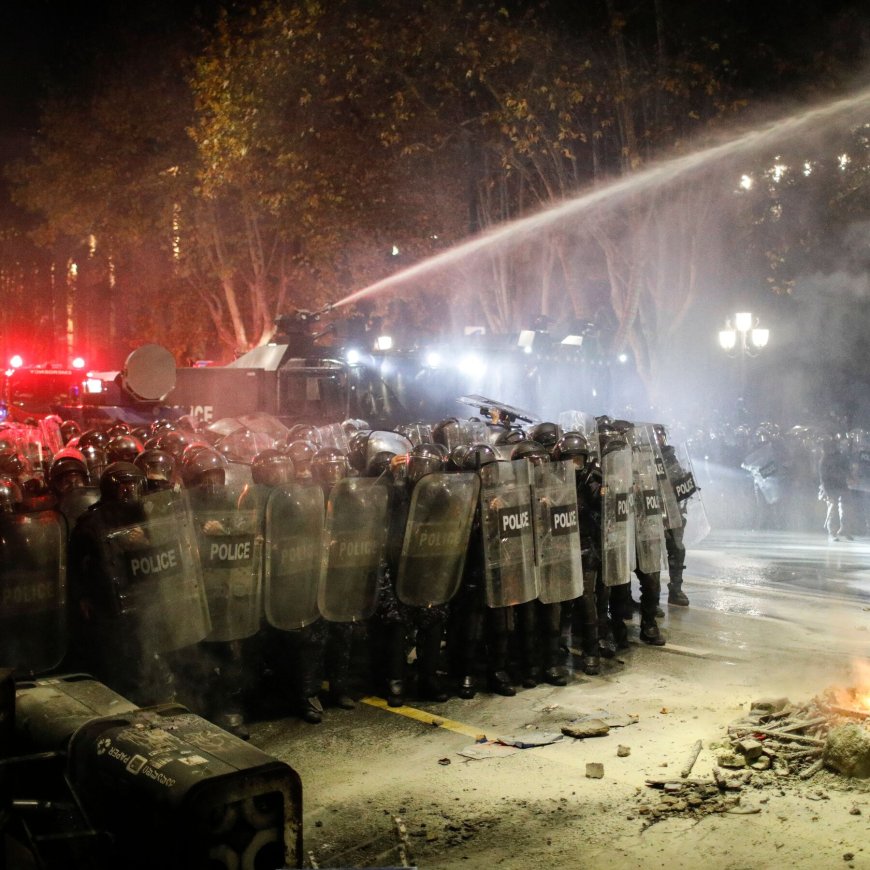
(858,697)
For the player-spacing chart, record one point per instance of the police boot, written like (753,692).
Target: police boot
(338,670)
(396,659)
(429,686)
(618,597)
(555,672)
(650,590)
(675,590)
(310,710)
(498,679)
(586,622)
(532,673)
(469,637)
(603,629)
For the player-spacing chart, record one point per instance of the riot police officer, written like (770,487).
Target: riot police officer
(477,628)
(590,619)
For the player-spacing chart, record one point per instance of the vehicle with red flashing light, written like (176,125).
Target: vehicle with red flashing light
(33,391)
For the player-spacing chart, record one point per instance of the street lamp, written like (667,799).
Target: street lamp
(743,339)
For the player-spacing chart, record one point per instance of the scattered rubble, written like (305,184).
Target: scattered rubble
(774,744)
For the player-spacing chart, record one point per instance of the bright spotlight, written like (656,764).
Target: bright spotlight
(471,364)
(78,362)
(623,358)
(16,361)
(352,356)
(433,359)
(384,342)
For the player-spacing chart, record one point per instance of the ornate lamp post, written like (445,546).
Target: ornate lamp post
(743,337)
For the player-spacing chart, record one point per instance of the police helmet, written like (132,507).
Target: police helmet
(304,432)
(510,436)
(535,452)
(572,446)
(158,466)
(123,448)
(119,427)
(357,450)
(93,438)
(422,460)
(457,455)
(329,465)
(69,429)
(68,470)
(613,443)
(203,467)
(16,465)
(122,483)
(545,433)
(301,452)
(446,432)
(272,468)
(11,497)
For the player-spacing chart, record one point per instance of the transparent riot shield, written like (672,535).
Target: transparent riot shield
(436,538)
(33,626)
(49,430)
(73,503)
(682,476)
(291,571)
(617,537)
(352,553)
(155,583)
(672,515)
(417,433)
(508,533)
(229,536)
(332,436)
(649,532)
(579,421)
(557,533)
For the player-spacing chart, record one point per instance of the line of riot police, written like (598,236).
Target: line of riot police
(242,565)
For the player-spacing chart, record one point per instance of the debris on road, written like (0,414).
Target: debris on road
(594,770)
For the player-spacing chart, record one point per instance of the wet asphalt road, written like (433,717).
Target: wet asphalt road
(771,613)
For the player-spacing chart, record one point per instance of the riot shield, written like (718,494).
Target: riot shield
(579,421)
(508,534)
(768,474)
(417,433)
(498,411)
(155,585)
(617,538)
(332,436)
(557,533)
(436,538)
(291,571)
(50,436)
(672,515)
(33,627)
(697,524)
(230,541)
(354,541)
(73,503)
(648,527)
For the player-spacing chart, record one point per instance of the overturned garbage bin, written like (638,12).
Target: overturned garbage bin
(48,711)
(179,792)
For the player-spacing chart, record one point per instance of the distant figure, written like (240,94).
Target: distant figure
(834,489)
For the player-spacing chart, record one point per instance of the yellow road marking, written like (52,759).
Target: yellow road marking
(424,717)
